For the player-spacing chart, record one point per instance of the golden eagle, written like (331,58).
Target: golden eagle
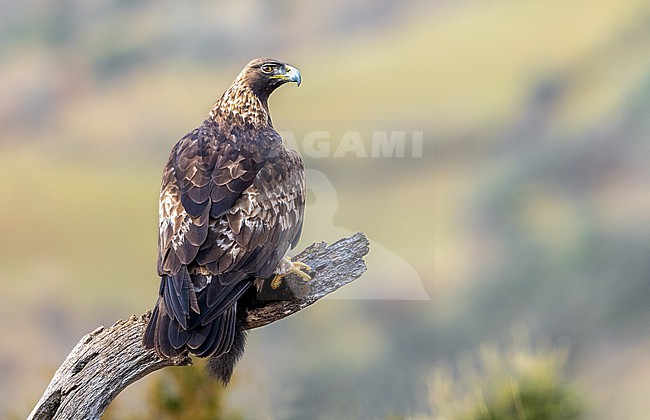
(231,204)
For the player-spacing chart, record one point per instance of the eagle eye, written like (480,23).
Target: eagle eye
(267,68)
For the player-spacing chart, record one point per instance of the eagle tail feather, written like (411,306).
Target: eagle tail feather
(215,338)
(221,367)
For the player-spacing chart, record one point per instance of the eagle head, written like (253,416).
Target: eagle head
(264,75)
(246,100)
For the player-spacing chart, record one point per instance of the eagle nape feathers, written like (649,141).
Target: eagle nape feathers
(231,205)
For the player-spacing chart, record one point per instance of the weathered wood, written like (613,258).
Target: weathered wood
(107,360)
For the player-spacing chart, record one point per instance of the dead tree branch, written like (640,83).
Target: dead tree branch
(107,360)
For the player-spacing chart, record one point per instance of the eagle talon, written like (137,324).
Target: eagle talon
(302,269)
(277,280)
(287,267)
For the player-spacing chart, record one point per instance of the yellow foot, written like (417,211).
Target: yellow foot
(287,267)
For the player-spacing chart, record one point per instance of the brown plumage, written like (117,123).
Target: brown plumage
(231,205)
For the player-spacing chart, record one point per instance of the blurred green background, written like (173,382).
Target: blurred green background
(530,204)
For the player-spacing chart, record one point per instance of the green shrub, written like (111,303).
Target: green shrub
(183,393)
(520,382)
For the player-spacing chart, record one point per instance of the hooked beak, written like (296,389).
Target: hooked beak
(292,74)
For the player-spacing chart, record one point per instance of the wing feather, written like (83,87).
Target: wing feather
(178,336)
(199,335)
(231,205)
(207,347)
